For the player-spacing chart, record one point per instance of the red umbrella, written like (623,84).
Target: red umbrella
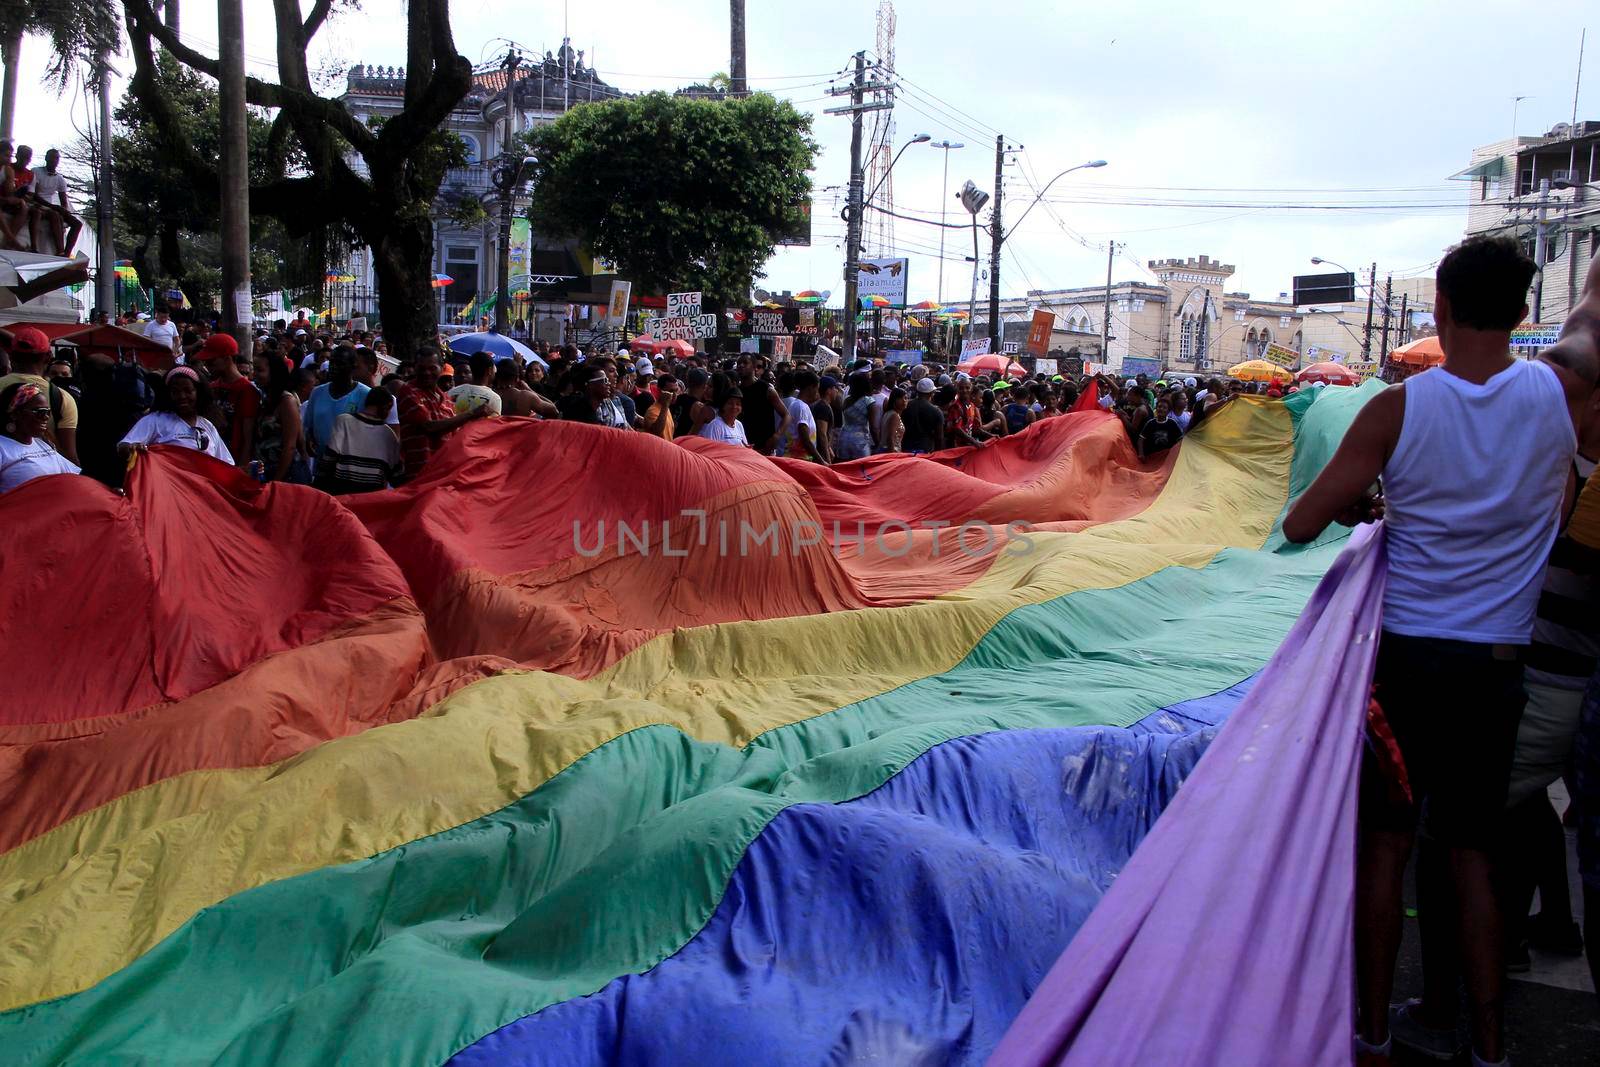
(993,364)
(659,348)
(1330,374)
(1424,353)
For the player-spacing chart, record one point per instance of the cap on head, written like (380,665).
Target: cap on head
(219,346)
(30,340)
(925,385)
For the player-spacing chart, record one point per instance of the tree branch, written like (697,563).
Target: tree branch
(256,91)
(314,21)
(429,46)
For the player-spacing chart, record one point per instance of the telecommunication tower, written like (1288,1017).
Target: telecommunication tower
(880,231)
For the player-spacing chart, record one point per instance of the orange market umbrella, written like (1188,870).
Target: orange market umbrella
(1424,353)
(1259,370)
(1329,374)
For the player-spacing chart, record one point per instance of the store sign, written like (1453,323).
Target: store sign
(767,322)
(1010,348)
(884,277)
(1283,357)
(681,327)
(1133,366)
(782,347)
(1043,365)
(1366,370)
(683,305)
(974,346)
(1535,336)
(1321,354)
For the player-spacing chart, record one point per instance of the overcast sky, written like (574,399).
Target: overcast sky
(1368,106)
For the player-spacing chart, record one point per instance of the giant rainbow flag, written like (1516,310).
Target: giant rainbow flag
(448,774)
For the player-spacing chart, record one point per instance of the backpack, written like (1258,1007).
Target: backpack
(131,391)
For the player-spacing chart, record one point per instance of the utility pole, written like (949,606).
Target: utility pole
(237,316)
(738,83)
(1366,337)
(995,237)
(1105,319)
(1388,295)
(510,165)
(1402,329)
(1541,247)
(1202,355)
(858,106)
(105,273)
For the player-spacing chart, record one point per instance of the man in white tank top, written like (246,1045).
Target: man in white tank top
(1474,457)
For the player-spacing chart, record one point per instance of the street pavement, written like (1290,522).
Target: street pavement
(1552,1013)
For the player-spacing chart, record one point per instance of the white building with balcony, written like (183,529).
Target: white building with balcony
(558,275)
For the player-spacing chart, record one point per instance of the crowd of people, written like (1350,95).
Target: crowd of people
(334,409)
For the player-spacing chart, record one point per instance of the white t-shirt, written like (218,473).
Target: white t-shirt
(719,430)
(21,463)
(799,414)
(165,428)
(1183,418)
(162,333)
(470,397)
(49,186)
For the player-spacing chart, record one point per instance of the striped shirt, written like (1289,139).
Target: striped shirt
(1566,628)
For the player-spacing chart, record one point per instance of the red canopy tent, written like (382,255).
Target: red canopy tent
(111,341)
(993,364)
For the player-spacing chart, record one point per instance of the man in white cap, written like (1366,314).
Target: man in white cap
(647,377)
(924,421)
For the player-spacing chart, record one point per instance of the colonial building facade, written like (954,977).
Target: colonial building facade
(1184,320)
(555,274)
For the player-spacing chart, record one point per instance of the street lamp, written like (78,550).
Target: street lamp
(854,216)
(972,198)
(1046,189)
(944,195)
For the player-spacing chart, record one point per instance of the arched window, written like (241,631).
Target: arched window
(1186,339)
(474,154)
(1247,344)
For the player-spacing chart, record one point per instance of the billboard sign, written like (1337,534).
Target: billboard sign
(885,278)
(1324,289)
(1535,336)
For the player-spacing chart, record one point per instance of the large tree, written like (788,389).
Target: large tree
(378,180)
(168,223)
(682,194)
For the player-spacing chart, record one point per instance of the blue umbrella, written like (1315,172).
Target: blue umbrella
(497,345)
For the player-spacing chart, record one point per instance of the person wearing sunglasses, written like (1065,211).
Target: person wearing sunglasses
(25,454)
(177,419)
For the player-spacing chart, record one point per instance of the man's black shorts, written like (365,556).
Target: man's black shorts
(1454,708)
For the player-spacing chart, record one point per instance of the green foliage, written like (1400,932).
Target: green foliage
(681,194)
(171,222)
(76,29)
